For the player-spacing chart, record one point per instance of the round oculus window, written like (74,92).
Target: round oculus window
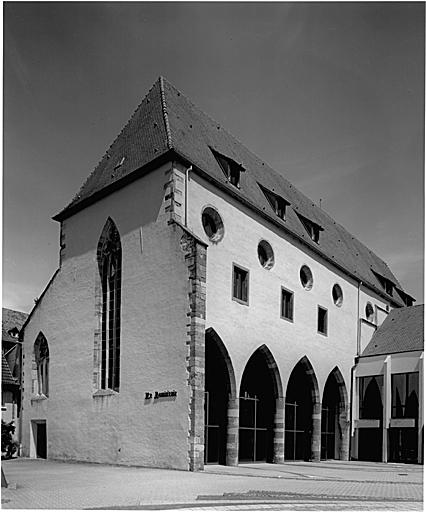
(265,254)
(212,224)
(337,295)
(306,277)
(369,312)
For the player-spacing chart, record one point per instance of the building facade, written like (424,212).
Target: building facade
(203,311)
(388,391)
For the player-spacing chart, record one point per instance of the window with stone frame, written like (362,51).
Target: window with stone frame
(322,321)
(41,366)
(109,265)
(287,298)
(240,284)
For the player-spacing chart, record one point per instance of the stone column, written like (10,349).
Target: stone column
(316,432)
(232,431)
(196,259)
(278,456)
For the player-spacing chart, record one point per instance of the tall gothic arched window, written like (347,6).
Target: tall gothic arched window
(41,358)
(109,263)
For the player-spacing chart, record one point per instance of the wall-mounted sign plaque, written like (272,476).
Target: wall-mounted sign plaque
(160,394)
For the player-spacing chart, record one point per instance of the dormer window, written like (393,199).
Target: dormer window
(407,300)
(278,203)
(387,285)
(312,228)
(230,168)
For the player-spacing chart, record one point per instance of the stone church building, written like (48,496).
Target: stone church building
(204,310)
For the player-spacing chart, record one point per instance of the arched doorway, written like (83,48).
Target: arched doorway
(219,387)
(334,436)
(301,402)
(260,392)
(371,408)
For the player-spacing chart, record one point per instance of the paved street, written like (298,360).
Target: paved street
(330,485)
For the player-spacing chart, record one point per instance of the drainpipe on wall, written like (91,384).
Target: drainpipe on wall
(186,194)
(358,350)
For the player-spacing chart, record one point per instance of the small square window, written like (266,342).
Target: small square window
(240,284)
(322,320)
(287,304)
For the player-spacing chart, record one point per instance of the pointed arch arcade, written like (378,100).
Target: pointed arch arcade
(109,304)
(302,413)
(334,423)
(219,402)
(261,435)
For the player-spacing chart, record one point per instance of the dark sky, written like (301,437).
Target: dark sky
(329,94)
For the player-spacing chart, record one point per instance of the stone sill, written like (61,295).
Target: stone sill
(104,392)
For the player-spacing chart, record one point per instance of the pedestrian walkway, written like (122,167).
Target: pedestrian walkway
(331,485)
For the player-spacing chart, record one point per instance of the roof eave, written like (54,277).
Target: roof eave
(169,155)
(112,187)
(187,161)
(414,351)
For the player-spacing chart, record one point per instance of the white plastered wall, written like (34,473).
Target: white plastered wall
(244,328)
(117,428)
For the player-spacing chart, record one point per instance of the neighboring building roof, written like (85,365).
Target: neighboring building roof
(11,320)
(6,374)
(167,123)
(401,331)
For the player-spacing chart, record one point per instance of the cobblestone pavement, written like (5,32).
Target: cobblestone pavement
(329,485)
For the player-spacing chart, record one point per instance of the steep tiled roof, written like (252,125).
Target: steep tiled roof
(11,319)
(142,140)
(401,331)
(167,121)
(6,374)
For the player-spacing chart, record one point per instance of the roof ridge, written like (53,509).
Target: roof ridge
(165,113)
(213,121)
